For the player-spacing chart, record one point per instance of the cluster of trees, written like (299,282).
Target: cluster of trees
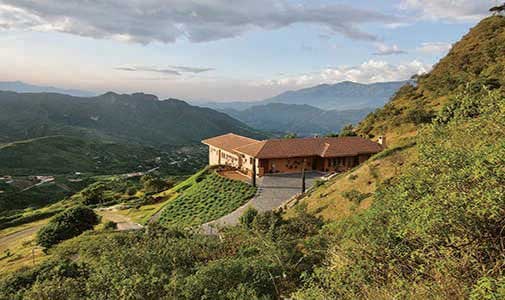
(67,224)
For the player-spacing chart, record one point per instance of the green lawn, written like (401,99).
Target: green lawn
(209,197)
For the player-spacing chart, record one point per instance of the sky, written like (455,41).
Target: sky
(225,50)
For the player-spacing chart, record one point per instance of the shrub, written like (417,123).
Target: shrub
(353,177)
(66,225)
(355,196)
(109,225)
(248,217)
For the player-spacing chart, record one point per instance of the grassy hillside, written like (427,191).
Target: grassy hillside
(424,218)
(477,60)
(205,197)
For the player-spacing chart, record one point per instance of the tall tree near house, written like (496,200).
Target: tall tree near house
(497,9)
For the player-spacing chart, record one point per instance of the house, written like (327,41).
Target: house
(290,155)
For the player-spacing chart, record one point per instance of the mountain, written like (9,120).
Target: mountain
(137,118)
(302,119)
(340,96)
(21,87)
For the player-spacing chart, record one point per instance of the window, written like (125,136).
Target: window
(251,160)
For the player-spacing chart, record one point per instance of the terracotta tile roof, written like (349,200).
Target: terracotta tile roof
(229,142)
(324,147)
(349,146)
(288,148)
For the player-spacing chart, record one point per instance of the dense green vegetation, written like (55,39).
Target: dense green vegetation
(66,225)
(210,196)
(263,262)
(437,230)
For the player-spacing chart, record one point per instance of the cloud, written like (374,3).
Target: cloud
(192,69)
(383,49)
(451,10)
(169,20)
(171,70)
(368,72)
(434,47)
(149,69)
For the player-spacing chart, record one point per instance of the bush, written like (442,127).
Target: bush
(355,196)
(109,225)
(66,225)
(248,217)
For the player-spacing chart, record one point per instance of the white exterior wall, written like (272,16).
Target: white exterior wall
(213,156)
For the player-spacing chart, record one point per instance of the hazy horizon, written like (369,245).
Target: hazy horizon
(225,51)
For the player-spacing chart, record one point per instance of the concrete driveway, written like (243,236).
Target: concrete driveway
(273,191)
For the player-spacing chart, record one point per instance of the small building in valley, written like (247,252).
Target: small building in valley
(335,154)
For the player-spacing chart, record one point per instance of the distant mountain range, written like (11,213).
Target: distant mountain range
(137,118)
(302,119)
(340,96)
(22,87)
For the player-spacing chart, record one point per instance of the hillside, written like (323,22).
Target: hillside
(304,120)
(475,61)
(66,155)
(340,96)
(137,118)
(422,218)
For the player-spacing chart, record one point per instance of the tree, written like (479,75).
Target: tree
(93,194)
(68,224)
(153,184)
(291,136)
(348,130)
(498,9)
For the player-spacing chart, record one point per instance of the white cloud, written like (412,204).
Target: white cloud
(368,72)
(168,20)
(434,48)
(384,49)
(452,10)
(170,70)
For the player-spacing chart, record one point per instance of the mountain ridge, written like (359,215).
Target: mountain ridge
(23,87)
(140,118)
(344,95)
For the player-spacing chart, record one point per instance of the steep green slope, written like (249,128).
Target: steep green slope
(424,219)
(437,230)
(137,118)
(475,61)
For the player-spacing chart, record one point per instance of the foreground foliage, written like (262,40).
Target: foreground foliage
(263,262)
(437,231)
